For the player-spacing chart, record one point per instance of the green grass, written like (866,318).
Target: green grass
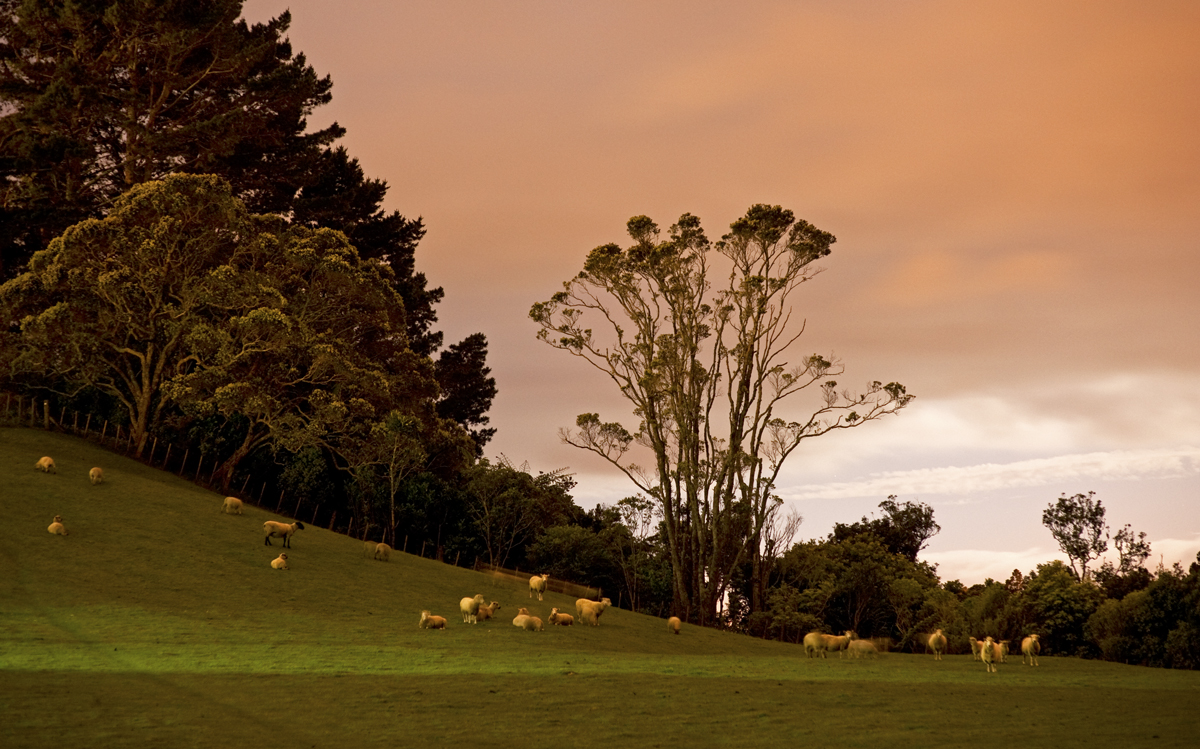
(158,622)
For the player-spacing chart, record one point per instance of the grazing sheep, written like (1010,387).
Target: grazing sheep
(862,648)
(937,643)
(673,625)
(280,562)
(537,584)
(231,506)
(383,552)
(988,652)
(284,530)
(532,624)
(487,611)
(429,621)
(591,610)
(57,527)
(1030,647)
(837,642)
(814,643)
(96,475)
(45,464)
(560,619)
(975,645)
(470,608)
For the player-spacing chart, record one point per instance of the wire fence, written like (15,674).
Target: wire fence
(553,585)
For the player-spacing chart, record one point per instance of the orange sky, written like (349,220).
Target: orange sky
(1015,188)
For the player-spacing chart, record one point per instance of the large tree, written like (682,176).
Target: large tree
(705,369)
(1077,524)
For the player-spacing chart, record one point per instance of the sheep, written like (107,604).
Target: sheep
(591,610)
(522,611)
(560,619)
(383,552)
(280,562)
(814,643)
(837,642)
(429,621)
(673,625)
(470,608)
(285,530)
(988,652)
(1030,647)
(45,464)
(937,643)
(96,475)
(231,506)
(537,584)
(57,527)
(532,624)
(486,612)
(862,648)
(520,619)
(975,645)
(1003,650)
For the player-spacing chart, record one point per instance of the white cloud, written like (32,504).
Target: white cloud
(960,480)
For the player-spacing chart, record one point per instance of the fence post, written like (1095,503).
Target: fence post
(86,426)
(75,424)
(279,506)
(168,458)
(153,448)
(183,465)
(46,414)
(423,549)
(406,543)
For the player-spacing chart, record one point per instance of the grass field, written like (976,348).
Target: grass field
(158,622)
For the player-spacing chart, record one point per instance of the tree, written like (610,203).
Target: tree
(1077,524)
(467,390)
(705,373)
(904,529)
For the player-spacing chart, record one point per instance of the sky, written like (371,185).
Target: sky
(1014,187)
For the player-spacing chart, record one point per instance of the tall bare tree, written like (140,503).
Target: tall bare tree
(706,373)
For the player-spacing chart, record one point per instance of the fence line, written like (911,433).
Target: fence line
(553,585)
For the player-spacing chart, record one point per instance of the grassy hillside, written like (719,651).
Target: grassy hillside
(159,621)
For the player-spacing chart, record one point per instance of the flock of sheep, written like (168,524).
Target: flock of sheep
(474,610)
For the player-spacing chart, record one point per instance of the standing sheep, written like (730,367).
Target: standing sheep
(560,619)
(673,625)
(280,562)
(45,464)
(837,642)
(975,645)
(1002,646)
(383,552)
(537,584)
(96,475)
(814,643)
(232,506)
(988,653)
(937,643)
(284,530)
(470,608)
(591,610)
(429,621)
(57,527)
(486,612)
(1030,647)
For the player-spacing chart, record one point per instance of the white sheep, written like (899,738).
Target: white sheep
(862,648)
(45,464)
(487,611)
(1030,647)
(532,624)
(837,642)
(232,506)
(284,530)
(57,527)
(519,619)
(988,653)
(558,618)
(975,645)
(814,644)
(470,608)
(383,552)
(673,625)
(937,643)
(1002,645)
(591,610)
(96,475)
(537,584)
(280,562)
(429,621)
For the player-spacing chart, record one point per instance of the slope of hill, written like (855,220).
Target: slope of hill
(158,620)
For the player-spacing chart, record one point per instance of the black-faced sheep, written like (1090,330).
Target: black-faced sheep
(45,464)
(673,625)
(57,527)
(937,643)
(1030,647)
(560,619)
(283,530)
(280,562)
(429,621)
(989,653)
(232,506)
(96,475)
(383,552)
(470,608)
(590,611)
(537,584)
(487,611)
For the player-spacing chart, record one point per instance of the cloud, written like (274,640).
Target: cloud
(1115,465)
